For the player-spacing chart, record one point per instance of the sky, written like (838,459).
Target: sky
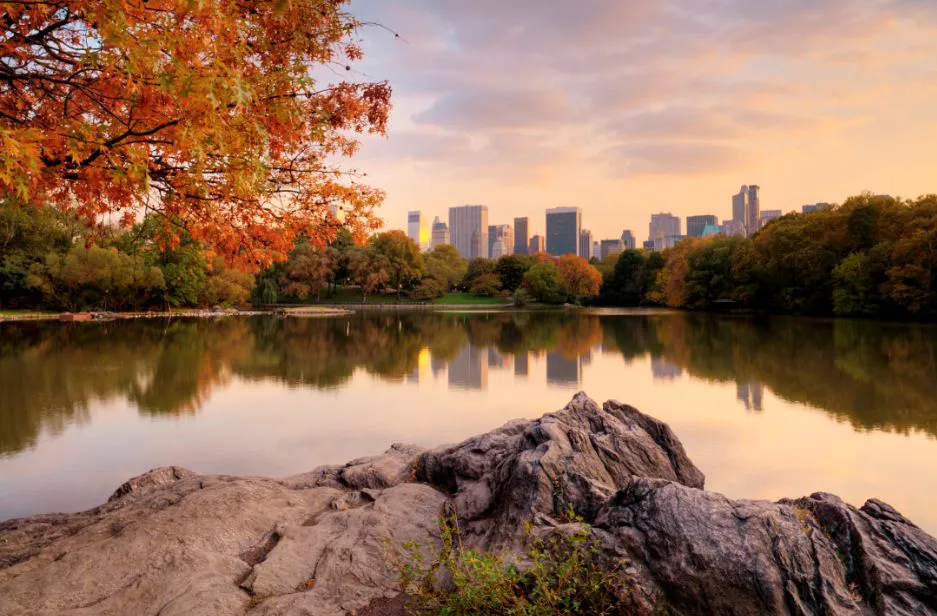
(626,108)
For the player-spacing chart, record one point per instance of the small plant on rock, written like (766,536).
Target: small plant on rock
(565,572)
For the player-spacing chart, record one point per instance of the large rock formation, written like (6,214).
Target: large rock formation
(331,541)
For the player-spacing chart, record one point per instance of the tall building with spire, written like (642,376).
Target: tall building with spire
(440,233)
(500,241)
(746,208)
(468,230)
(628,239)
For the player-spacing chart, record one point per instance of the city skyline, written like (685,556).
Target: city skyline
(623,126)
(744,207)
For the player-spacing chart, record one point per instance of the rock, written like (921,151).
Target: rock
(155,478)
(577,457)
(331,541)
(696,552)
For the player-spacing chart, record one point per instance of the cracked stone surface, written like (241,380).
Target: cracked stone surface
(330,541)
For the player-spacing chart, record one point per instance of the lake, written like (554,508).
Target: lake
(766,407)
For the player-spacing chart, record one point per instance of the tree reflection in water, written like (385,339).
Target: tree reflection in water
(873,375)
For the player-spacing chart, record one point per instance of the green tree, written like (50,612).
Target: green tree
(446,265)
(626,285)
(652,279)
(511,270)
(28,234)
(477,267)
(853,288)
(404,263)
(369,270)
(543,282)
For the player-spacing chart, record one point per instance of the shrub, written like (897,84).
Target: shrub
(566,574)
(428,290)
(521,298)
(486,285)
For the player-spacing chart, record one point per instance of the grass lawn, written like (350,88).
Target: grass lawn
(456,299)
(25,314)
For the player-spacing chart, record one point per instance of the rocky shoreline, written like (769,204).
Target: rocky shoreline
(329,542)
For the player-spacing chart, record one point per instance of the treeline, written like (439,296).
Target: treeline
(871,256)
(392,263)
(50,260)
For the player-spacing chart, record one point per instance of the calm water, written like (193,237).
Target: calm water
(767,408)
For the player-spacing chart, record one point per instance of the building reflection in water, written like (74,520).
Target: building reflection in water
(563,370)
(751,395)
(496,361)
(663,370)
(469,369)
(521,364)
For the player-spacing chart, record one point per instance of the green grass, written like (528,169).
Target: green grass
(25,314)
(456,299)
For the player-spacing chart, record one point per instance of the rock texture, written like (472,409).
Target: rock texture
(331,541)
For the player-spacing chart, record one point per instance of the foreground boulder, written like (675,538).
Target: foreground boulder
(331,541)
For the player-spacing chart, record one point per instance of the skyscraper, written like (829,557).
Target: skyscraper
(628,239)
(468,229)
(767,216)
(440,233)
(596,249)
(503,234)
(815,207)
(664,230)
(754,205)
(746,208)
(521,237)
(563,227)
(695,225)
(585,244)
(611,247)
(536,245)
(417,229)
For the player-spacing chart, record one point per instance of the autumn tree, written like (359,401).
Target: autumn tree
(308,271)
(486,285)
(577,277)
(210,115)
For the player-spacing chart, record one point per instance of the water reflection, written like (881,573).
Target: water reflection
(873,375)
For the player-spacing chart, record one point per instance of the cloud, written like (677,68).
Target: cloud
(499,108)
(675,158)
(492,91)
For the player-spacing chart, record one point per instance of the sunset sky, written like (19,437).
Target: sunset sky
(625,108)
